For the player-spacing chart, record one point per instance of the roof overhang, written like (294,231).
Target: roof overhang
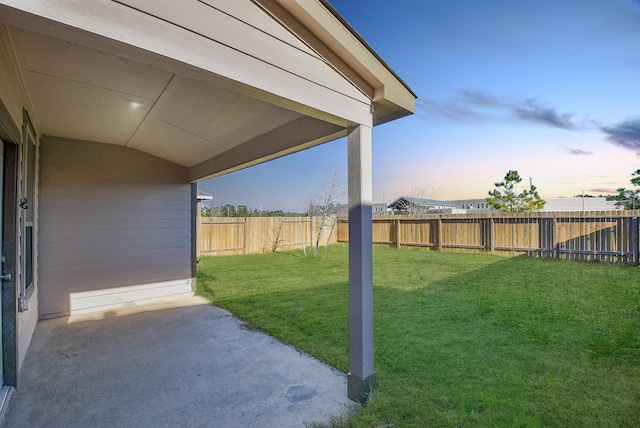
(326,31)
(219,85)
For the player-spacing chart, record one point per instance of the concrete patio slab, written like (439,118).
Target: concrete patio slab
(182,363)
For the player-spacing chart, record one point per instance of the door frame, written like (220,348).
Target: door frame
(10,134)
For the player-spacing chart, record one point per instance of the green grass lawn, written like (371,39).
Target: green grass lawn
(460,339)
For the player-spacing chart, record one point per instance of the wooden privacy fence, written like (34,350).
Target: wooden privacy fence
(245,235)
(593,235)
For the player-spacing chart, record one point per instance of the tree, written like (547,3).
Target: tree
(211,211)
(630,196)
(322,203)
(275,236)
(505,196)
(636,178)
(242,211)
(228,210)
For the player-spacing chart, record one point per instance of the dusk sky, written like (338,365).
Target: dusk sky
(550,88)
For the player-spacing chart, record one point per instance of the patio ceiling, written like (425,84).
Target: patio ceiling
(81,93)
(211,85)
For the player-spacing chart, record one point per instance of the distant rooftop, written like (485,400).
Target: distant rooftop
(204,196)
(403,201)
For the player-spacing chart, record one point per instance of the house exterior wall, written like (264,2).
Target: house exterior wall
(14,98)
(376,209)
(577,204)
(552,204)
(12,90)
(115,227)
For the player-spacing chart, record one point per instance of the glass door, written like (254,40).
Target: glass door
(1,255)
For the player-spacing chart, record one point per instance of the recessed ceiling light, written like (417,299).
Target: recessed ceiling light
(135,104)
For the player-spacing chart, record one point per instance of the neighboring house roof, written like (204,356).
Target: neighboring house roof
(211,85)
(404,202)
(202,196)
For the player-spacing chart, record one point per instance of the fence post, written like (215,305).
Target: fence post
(555,245)
(397,233)
(634,240)
(440,233)
(491,234)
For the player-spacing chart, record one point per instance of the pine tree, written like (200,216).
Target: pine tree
(505,197)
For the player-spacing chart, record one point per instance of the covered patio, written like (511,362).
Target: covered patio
(179,363)
(112,111)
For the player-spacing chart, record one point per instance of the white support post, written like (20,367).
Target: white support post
(361,377)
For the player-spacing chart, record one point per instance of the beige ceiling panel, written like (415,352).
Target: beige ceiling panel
(70,61)
(81,111)
(166,141)
(220,116)
(289,138)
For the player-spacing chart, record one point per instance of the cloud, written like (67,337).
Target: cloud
(473,105)
(451,110)
(602,190)
(532,111)
(481,99)
(624,134)
(575,151)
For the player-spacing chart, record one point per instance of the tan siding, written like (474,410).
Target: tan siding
(261,38)
(255,17)
(114,223)
(12,90)
(14,98)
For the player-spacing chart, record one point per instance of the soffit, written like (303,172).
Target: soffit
(81,93)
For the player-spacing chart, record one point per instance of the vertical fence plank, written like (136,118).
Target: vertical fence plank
(244,236)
